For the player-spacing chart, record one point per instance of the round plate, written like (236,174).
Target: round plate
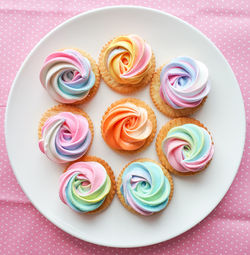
(194,196)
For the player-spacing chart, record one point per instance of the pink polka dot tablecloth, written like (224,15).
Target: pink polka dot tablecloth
(23,230)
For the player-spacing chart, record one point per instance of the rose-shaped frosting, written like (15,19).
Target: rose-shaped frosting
(65,137)
(188,148)
(84,186)
(128,59)
(67,76)
(184,83)
(145,187)
(126,127)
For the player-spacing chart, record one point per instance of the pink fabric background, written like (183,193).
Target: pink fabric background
(23,230)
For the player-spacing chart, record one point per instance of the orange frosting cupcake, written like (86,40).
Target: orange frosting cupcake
(128,125)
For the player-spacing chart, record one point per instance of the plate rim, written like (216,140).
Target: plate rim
(55,221)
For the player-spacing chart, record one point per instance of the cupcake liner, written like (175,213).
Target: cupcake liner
(64,108)
(164,107)
(96,71)
(123,88)
(119,183)
(163,133)
(110,173)
(151,116)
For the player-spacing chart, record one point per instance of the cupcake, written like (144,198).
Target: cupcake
(127,63)
(128,124)
(184,146)
(180,87)
(65,133)
(70,76)
(144,187)
(88,185)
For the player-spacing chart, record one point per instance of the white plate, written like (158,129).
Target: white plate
(194,197)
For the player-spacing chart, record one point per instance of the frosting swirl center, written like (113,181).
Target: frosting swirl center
(126,127)
(84,186)
(188,148)
(67,76)
(128,59)
(184,83)
(65,137)
(145,188)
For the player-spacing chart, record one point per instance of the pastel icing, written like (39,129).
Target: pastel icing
(67,76)
(65,137)
(128,59)
(84,186)
(145,188)
(188,148)
(126,127)
(184,83)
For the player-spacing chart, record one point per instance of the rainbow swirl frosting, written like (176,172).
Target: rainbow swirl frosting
(84,186)
(128,59)
(126,127)
(184,83)
(145,188)
(188,148)
(65,137)
(67,76)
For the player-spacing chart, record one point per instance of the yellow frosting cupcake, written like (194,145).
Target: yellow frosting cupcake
(127,63)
